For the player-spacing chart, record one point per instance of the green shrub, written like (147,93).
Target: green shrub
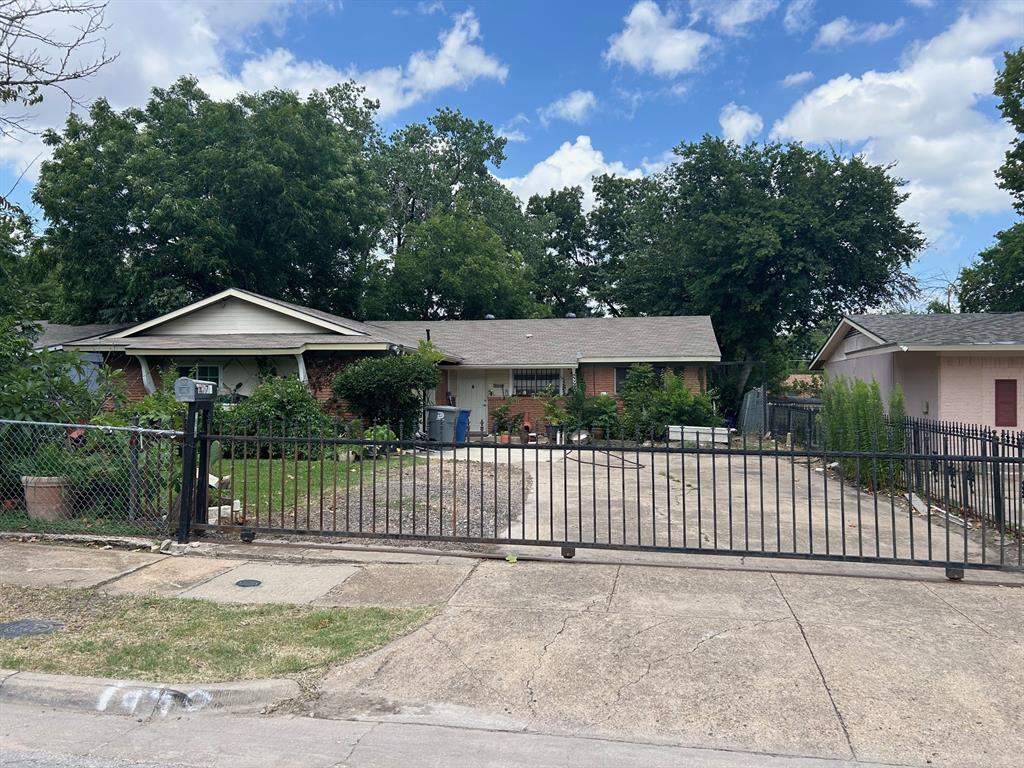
(606,414)
(854,421)
(388,390)
(504,420)
(649,407)
(282,407)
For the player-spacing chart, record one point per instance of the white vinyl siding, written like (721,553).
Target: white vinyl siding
(233,316)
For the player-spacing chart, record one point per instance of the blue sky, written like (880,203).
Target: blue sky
(581,88)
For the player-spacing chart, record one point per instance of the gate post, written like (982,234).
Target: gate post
(203,469)
(188,475)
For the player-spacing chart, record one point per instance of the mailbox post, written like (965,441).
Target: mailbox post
(199,396)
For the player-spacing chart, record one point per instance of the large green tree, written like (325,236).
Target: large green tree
(772,241)
(148,209)
(455,266)
(561,269)
(995,281)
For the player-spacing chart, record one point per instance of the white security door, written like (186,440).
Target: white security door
(471,393)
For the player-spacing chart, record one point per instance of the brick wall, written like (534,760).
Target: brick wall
(132,373)
(531,408)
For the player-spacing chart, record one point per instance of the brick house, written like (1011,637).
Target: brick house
(962,367)
(236,337)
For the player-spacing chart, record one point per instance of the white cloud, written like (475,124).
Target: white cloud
(841,30)
(922,3)
(456,63)
(731,18)
(572,164)
(739,124)
(575,107)
(797,78)
(924,117)
(651,41)
(798,16)
(161,40)
(422,8)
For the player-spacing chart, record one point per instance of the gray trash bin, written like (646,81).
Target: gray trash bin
(441,421)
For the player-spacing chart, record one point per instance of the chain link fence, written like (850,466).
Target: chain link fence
(58,477)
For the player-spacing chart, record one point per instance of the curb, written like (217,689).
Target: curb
(143,699)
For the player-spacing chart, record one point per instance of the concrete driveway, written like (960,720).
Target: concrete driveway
(888,670)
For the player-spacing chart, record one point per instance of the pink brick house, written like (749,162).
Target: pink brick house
(967,368)
(236,336)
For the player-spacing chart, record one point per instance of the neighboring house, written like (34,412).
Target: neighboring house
(53,338)
(235,337)
(961,367)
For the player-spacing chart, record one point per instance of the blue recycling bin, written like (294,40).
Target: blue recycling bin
(462,426)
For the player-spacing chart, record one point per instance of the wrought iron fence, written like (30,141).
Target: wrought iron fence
(702,495)
(945,496)
(86,478)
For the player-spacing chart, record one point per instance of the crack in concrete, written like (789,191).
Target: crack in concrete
(821,672)
(355,745)
(531,698)
(615,584)
(472,672)
(953,608)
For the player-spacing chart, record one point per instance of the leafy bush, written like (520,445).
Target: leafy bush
(54,386)
(156,410)
(283,407)
(555,414)
(605,411)
(504,420)
(650,407)
(388,390)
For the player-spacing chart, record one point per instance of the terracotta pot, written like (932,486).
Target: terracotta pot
(47,498)
(504,438)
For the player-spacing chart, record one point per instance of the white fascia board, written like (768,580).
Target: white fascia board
(653,359)
(231,293)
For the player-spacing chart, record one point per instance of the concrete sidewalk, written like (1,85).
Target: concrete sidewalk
(848,663)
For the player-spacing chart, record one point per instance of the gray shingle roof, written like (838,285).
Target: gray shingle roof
(55,335)
(504,343)
(945,330)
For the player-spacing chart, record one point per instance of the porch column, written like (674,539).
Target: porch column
(147,375)
(301,363)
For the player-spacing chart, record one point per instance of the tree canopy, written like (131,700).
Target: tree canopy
(149,209)
(768,240)
(995,281)
(304,199)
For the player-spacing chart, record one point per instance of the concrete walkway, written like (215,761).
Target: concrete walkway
(854,663)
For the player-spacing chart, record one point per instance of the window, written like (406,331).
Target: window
(1006,402)
(530,382)
(203,372)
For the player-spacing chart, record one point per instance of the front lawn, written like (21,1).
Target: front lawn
(182,640)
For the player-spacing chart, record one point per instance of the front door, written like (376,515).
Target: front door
(471,392)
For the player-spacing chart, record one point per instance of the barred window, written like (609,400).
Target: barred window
(532,381)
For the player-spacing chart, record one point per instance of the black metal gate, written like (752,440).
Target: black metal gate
(700,491)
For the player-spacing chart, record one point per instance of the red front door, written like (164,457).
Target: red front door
(1006,402)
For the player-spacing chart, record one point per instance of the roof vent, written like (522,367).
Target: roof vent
(571,316)
(488,316)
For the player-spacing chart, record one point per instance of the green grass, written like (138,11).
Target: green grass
(289,483)
(181,640)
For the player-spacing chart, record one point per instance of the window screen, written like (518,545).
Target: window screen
(532,381)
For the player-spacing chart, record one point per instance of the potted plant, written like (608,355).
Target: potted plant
(554,414)
(44,478)
(605,416)
(506,423)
